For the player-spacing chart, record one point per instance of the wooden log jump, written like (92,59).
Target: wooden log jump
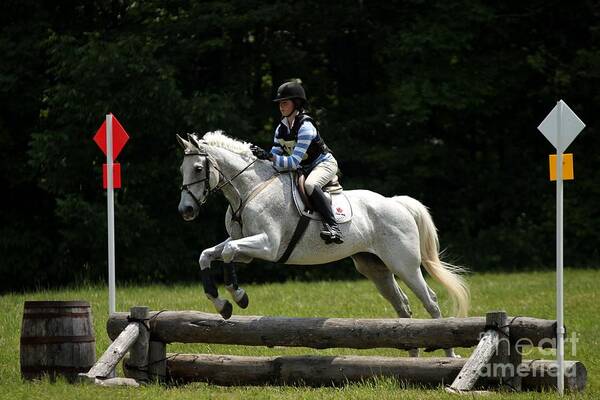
(228,370)
(498,338)
(322,333)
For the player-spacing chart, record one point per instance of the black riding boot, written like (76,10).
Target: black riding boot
(331,231)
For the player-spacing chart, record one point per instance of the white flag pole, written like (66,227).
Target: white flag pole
(560,356)
(560,127)
(110,205)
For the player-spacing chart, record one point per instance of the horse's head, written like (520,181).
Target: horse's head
(199,176)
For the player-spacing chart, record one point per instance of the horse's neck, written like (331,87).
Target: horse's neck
(240,187)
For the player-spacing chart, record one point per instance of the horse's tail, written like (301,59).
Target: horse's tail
(450,276)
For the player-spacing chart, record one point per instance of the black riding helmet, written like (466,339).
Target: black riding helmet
(291,91)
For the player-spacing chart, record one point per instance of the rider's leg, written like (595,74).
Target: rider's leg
(320,175)
(331,231)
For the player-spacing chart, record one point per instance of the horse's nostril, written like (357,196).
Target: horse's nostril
(185,210)
(188,212)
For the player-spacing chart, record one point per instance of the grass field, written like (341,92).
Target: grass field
(530,294)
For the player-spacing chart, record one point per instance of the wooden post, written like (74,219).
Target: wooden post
(157,361)
(504,365)
(481,357)
(138,360)
(515,382)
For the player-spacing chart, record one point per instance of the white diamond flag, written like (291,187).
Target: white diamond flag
(571,125)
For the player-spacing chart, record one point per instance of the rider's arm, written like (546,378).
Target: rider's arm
(276,150)
(306,134)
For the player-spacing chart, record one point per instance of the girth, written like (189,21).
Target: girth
(298,232)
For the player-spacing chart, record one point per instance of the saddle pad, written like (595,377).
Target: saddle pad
(339,203)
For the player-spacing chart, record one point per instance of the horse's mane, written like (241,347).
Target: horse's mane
(219,139)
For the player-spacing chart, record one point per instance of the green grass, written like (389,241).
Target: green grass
(530,294)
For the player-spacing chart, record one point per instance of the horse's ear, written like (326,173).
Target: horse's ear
(182,142)
(194,140)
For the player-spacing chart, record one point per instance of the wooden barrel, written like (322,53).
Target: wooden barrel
(57,338)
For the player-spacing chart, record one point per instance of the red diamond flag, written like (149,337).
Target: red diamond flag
(120,137)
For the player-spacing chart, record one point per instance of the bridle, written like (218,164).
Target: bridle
(207,189)
(186,186)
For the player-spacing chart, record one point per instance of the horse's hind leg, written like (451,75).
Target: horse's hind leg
(410,272)
(371,266)
(416,283)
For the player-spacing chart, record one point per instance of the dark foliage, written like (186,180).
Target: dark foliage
(437,100)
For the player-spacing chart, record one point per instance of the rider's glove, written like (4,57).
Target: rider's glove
(260,153)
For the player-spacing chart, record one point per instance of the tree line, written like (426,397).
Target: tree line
(436,100)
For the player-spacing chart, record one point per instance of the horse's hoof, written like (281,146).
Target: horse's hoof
(243,302)
(451,354)
(227,310)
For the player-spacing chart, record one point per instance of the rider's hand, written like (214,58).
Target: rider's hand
(259,153)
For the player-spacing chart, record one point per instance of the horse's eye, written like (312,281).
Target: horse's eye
(198,167)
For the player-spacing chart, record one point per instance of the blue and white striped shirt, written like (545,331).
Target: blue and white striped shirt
(306,134)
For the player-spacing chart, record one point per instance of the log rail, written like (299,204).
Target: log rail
(322,333)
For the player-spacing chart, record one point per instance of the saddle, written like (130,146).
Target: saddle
(342,210)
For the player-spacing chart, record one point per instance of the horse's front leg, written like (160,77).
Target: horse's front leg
(247,248)
(209,255)
(231,284)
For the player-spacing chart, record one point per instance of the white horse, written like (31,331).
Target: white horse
(386,237)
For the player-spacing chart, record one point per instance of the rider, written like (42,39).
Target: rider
(297,144)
